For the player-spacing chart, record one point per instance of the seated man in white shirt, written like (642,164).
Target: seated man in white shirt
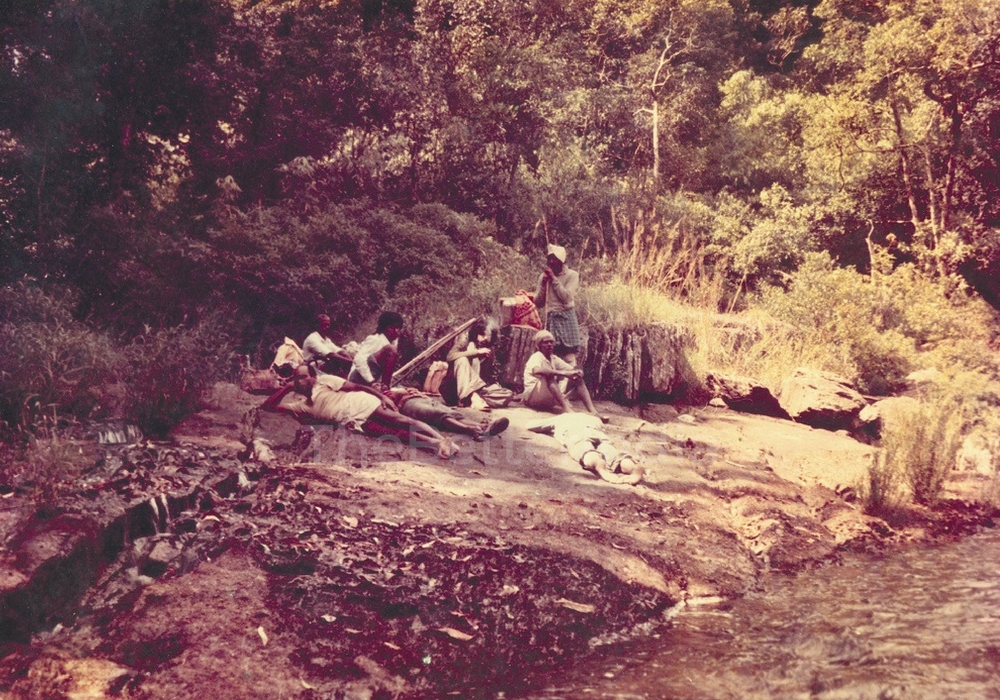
(319,349)
(548,379)
(359,408)
(375,360)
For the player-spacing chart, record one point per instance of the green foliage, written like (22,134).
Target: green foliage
(761,142)
(845,311)
(166,156)
(49,363)
(767,237)
(168,370)
(347,260)
(498,271)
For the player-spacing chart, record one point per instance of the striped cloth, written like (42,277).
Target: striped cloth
(563,325)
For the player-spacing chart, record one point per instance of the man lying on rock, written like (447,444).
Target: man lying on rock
(587,443)
(333,399)
(423,407)
(549,380)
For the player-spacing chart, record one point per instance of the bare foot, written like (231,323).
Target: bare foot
(447,449)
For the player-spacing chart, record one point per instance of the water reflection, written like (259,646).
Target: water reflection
(922,624)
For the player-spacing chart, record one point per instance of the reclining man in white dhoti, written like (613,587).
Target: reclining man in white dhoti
(584,438)
(362,409)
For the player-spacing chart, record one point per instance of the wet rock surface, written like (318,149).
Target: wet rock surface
(344,567)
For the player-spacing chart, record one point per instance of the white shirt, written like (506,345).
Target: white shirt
(570,428)
(371,345)
(539,361)
(318,345)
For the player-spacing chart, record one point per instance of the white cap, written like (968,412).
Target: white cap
(558,251)
(543,335)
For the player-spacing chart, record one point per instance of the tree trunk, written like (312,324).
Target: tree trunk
(904,161)
(516,345)
(623,365)
(656,145)
(955,135)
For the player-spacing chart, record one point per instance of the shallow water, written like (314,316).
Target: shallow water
(921,624)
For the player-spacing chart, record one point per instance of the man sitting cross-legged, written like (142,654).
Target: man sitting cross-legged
(548,379)
(420,406)
(362,409)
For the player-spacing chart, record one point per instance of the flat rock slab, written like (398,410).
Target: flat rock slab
(820,399)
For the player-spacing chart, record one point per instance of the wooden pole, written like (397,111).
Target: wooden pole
(407,369)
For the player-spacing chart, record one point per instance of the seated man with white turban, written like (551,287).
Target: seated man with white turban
(548,379)
(556,293)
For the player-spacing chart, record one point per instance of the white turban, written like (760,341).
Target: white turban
(558,251)
(543,335)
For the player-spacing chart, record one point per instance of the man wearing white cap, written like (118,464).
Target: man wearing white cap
(548,379)
(557,288)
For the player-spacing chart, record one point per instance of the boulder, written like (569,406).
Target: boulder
(820,399)
(744,394)
(923,378)
(631,364)
(871,419)
(159,559)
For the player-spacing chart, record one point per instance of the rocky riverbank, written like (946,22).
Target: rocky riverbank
(339,566)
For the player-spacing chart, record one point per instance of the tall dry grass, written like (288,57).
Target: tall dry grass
(919,443)
(664,257)
(658,272)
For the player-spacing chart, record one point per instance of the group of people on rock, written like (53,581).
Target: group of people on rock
(363,400)
(355,389)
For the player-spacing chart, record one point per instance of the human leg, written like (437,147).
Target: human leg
(580,387)
(568,355)
(422,434)
(467,377)
(549,394)
(385,359)
(459,425)
(557,389)
(433,413)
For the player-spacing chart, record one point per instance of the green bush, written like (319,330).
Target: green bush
(843,309)
(49,363)
(498,271)
(349,260)
(169,369)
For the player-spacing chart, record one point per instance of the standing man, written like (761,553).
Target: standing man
(557,288)
(375,360)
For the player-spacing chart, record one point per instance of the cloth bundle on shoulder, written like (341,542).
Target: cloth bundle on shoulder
(524,312)
(287,358)
(264,381)
(435,376)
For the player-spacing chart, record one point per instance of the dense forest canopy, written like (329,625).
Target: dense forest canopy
(267,160)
